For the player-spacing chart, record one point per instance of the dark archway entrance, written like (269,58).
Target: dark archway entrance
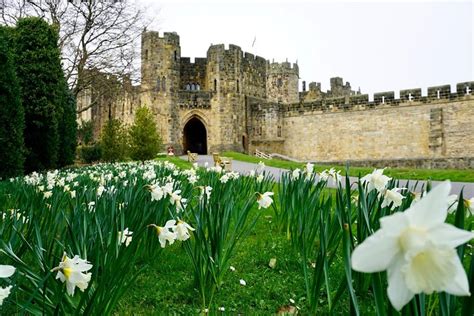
(195,137)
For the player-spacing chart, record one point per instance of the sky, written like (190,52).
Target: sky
(377,46)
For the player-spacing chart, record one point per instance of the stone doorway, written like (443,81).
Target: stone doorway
(195,137)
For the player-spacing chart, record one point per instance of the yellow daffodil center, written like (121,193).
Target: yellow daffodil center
(67,272)
(412,238)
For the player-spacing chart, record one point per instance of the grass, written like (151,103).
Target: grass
(399,173)
(183,164)
(166,286)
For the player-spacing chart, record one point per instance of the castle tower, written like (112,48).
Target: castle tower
(224,79)
(282,82)
(160,76)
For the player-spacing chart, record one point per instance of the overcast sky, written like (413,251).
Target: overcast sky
(377,46)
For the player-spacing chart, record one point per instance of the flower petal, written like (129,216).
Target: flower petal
(459,284)
(398,292)
(394,224)
(449,235)
(6,271)
(431,210)
(375,253)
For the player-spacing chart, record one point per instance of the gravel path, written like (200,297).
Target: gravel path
(245,167)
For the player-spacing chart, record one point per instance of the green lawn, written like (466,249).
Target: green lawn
(399,173)
(166,286)
(176,160)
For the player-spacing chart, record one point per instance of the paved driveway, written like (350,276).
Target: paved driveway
(245,167)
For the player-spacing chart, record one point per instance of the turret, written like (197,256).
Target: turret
(282,82)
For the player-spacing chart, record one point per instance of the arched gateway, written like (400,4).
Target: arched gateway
(195,136)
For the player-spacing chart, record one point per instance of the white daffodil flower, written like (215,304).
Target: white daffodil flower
(259,178)
(252,173)
(47,194)
(4,292)
(182,230)
(392,195)
(261,166)
(72,271)
(100,190)
(309,168)
(6,271)
(205,190)
(157,192)
(178,200)
(376,180)
(264,200)
(125,237)
(295,174)
(242,282)
(166,233)
(417,249)
(224,178)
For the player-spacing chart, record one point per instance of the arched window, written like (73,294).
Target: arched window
(163,83)
(158,84)
(188,87)
(175,55)
(215,85)
(238,86)
(193,87)
(198,87)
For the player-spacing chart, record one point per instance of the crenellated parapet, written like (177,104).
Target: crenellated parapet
(360,102)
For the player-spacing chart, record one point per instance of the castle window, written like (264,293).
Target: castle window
(198,87)
(279,82)
(146,54)
(158,84)
(163,84)
(175,55)
(279,131)
(193,87)
(238,86)
(188,87)
(215,85)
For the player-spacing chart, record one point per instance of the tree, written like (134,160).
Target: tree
(42,90)
(99,35)
(12,121)
(113,141)
(67,128)
(145,141)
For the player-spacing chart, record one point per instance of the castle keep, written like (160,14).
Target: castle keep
(233,100)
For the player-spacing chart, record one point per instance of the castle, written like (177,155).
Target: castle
(233,100)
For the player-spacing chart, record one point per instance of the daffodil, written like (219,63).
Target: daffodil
(166,233)
(376,180)
(295,174)
(309,168)
(264,200)
(182,230)
(470,205)
(157,192)
(72,271)
(125,237)
(6,271)
(178,200)
(417,249)
(393,197)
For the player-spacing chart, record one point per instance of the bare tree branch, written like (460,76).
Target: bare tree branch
(94,35)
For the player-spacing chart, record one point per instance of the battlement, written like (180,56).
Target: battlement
(358,102)
(253,59)
(284,67)
(221,49)
(171,38)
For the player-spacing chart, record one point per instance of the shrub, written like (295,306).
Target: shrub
(90,153)
(113,141)
(67,129)
(85,133)
(12,118)
(42,90)
(145,142)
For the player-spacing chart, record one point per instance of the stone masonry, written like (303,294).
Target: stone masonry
(233,100)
